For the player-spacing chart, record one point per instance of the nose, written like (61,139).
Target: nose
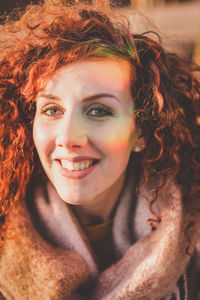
(71,132)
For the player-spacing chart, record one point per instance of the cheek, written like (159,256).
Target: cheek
(119,138)
(42,137)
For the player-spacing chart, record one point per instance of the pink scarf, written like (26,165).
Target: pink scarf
(150,262)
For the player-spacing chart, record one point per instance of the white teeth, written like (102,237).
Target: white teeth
(86,164)
(76,166)
(82,165)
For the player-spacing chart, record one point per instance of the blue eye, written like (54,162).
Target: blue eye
(99,111)
(52,111)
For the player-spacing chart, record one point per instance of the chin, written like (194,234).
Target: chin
(73,199)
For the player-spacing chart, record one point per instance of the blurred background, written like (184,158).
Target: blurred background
(177,21)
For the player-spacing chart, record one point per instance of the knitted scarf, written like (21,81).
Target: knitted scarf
(54,262)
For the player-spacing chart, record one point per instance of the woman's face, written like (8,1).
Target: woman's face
(84,129)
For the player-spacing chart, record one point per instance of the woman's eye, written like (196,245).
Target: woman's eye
(52,111)
(99,111)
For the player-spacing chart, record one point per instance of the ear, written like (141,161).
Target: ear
(139,143)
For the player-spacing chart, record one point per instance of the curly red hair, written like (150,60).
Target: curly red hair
(165,92)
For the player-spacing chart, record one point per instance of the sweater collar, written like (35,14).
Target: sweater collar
(144,254)
(150,261)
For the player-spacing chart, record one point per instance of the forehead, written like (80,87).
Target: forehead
(109,74)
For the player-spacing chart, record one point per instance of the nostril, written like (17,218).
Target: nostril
(76,146)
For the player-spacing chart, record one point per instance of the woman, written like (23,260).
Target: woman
(100,161)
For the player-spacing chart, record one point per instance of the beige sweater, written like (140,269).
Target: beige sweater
(49,257)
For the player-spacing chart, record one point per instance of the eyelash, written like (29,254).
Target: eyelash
(106,111)
(101,108)
(48,109)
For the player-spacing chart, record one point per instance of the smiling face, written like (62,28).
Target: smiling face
(84,131)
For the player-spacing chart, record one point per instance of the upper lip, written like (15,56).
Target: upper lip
(76,159)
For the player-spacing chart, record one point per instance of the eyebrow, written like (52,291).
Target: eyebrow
(88,98)
(48,96)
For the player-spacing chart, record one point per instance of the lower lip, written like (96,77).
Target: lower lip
(77,174)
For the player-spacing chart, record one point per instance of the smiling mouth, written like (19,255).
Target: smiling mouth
(77,166)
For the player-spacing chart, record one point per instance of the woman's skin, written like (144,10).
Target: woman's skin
(84,117)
